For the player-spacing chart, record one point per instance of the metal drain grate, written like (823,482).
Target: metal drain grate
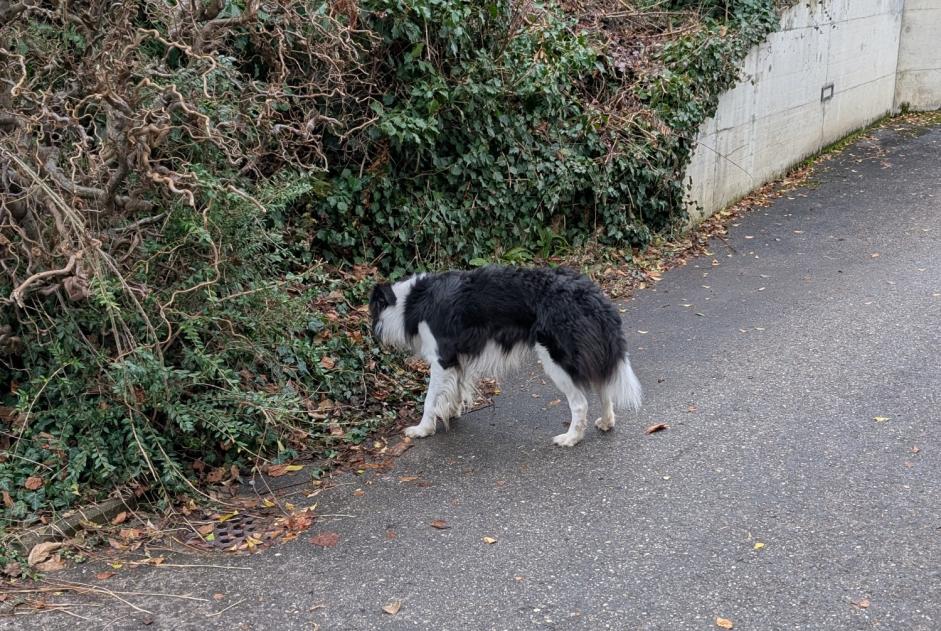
(241,533)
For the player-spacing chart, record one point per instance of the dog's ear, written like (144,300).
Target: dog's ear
(382,296)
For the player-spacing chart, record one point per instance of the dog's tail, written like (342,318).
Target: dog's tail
(623,388)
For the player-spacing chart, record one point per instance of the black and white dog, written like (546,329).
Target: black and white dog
(469,325)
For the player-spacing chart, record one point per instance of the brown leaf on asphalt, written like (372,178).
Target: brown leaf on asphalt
(103,576)
(218,596)
(325,539)
(863,603)
(659,427)
(399,448)
(277,470)
(205,529)
(408,478)
(359,493)
(42,551)
(33,483)
(724,623)
(392,607)
(692,409)
(52,565)
(489,540)
(440,524)
(391,534)
(915,450)
(120,518)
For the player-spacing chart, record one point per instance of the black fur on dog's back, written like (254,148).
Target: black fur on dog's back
(557,308)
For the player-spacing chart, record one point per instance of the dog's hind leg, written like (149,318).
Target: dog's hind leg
(578,402)
(606,421)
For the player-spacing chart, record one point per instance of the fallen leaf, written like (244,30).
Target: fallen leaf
(33,483)
(656,428)
(390,534)
(862,603)
(759,545)
(42,551)
(359,493)
(218,596)
(215,475)
(881,419)
(392,607)
(489,540)
(52,565)
(103,576)
(7,500)
(328,363)
(408,478)
(440,524)
(915,450)
(129,533)
(205,529)
(120,518)
(277,470)
(325,539)
(555,402)
(692,409)
(724,623)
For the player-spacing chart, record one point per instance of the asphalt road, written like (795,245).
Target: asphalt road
(770,362)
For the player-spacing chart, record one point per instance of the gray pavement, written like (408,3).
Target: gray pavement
(769,361)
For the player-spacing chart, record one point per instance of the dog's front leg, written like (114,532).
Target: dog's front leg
(442,401)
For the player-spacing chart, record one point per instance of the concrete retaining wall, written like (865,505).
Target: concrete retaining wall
(919,70)
(835,66)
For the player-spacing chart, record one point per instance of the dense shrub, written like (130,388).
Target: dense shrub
(185,189)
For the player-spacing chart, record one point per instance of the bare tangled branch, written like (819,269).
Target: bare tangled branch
(105,116)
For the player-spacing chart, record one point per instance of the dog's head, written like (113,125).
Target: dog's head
(382,303)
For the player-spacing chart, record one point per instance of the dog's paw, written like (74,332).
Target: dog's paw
(419,431)
(566,440)
(604,424)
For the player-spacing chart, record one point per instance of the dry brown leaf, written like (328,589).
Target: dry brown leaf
(399,448)
(129,533)
(390,534)
(42,551)
(33,483)
(407,478)
(392,607)
(205,529)
(440,524)
(218,596)
(325,539)
(103,576)
(489,540)
(327,363)
(120,518)
(7,500)
(659,427)
(52,565)
(359,493)
(863,603)
(277,470)
(915,450)
(724,623)
(216,475)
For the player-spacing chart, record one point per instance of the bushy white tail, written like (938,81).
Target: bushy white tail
(623,389)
